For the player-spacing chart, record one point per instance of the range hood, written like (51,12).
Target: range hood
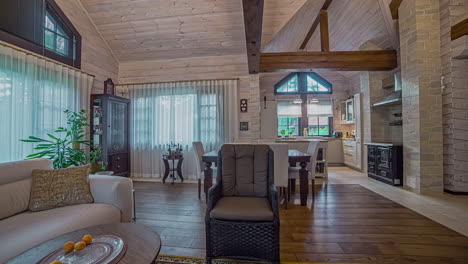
(395,96)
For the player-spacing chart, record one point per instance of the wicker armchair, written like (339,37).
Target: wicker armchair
(242,219)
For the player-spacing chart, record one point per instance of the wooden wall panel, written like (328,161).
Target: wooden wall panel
(351,23)
(214,67)
(276,14)
(160,29)
(96,57)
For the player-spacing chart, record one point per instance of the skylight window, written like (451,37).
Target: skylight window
(56,39)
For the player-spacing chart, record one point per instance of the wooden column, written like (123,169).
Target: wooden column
(324,38)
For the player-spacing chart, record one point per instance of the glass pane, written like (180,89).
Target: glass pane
(349,106)
(61,45)
(49,23)
(324,127)
(313,126)
(118,126)
(49,40)
(312,85)
(290,86)
(60,31)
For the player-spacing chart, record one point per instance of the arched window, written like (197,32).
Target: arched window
(318,115)
(303,83)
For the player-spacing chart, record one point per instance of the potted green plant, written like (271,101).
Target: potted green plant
(291,132)
(283,133)
(77,122)
(64,149)
(94,159)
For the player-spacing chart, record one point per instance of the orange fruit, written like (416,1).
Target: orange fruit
(80,245)
(56,262)
(87,239)
(68,247)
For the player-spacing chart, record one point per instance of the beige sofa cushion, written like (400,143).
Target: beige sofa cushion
(57,188)
(244,170)
(14,197)
(21,169)
(15,184)
(242,209)
(26,230)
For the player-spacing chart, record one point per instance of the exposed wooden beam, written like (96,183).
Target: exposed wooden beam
(253,16)
(459,30)
(324,37)
(394,5)
(315,24)
(390,24)
(375,60)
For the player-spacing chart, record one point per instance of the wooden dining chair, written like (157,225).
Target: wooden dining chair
(281,160)
(293,172)
(199,151)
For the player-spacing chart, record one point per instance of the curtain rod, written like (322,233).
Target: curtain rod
(6,44)
(199,80)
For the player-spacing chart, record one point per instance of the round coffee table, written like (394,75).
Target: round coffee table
(143,244)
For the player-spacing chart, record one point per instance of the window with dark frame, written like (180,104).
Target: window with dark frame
(303,83)
(55,38)
(318,118)
(43,29)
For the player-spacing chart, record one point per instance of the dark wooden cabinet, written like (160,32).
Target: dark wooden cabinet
(385,163)
(110,130)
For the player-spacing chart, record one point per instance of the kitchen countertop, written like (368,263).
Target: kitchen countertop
(387,144)
(301,140)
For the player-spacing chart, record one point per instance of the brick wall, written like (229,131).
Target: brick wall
(419,23)
(455,100)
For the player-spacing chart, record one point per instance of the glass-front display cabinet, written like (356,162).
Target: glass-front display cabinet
(110,131)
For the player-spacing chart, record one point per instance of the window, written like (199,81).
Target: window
(33,98)
(42,29)
(55,37)
(289,117)
(288,124)
(303,83)
(320,118)
(290,86)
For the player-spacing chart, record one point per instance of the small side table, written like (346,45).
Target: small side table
(170,171)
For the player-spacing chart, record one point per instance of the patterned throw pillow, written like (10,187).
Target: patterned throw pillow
(58,188)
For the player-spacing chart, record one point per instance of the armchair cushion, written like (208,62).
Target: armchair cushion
(244,170)
(242,209)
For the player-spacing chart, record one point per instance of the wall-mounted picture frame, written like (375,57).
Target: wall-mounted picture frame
(243,105)
(109,87)
(244,126)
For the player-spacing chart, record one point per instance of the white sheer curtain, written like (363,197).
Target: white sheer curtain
(34,92)
(180,113)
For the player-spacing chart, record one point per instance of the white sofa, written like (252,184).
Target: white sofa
(21,229)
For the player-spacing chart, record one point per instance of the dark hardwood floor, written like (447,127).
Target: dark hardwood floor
(346,224)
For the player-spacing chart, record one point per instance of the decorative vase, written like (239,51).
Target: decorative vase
(76,145)
(95,167)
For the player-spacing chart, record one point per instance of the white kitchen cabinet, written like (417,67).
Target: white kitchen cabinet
(348,111)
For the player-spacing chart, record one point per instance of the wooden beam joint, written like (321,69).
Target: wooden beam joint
(324,37)
(459,30)
(394,5)
(312,29)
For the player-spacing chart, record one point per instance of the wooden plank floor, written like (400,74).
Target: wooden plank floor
(347,223)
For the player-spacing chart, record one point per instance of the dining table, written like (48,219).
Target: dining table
(294,157)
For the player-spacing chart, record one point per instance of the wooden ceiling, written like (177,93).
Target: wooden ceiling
(167,29)
(351,23)
(139,30)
